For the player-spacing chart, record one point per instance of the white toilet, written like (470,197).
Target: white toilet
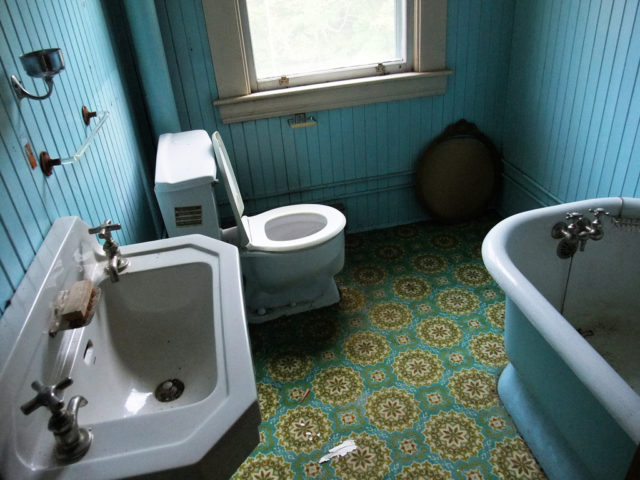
(289,255)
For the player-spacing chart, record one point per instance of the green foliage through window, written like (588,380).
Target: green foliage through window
(293,37)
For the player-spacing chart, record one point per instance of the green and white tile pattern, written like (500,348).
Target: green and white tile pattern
(406,365)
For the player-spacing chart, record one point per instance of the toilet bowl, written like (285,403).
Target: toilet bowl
(289,255)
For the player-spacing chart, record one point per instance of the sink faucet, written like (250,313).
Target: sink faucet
(72,442)
(575,234)
(116,263)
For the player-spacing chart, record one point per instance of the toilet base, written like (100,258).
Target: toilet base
(262,307)
(279,284)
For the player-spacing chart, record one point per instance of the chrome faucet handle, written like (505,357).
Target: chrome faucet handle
(573,216)
(47,396)
(116,263)
(72,442)
(104,230)
(597,212)
(597,232)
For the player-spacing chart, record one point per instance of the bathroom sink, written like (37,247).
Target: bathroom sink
(154,332)
(165,363)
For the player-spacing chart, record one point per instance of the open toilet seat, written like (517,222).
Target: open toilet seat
(289,255)
(283,229)
(292,227)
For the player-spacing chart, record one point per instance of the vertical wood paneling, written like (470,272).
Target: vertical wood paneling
(110,180)
(570,95)
(625,70)
(587,30)
(623,175)
(574,100)
(347,155)
(291,165)
(557,92)
(277,151)
(12,267)
(604,101)
(314,158)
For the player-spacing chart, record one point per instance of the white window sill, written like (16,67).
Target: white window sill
(324,96)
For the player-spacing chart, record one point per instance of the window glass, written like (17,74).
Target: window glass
(299,37)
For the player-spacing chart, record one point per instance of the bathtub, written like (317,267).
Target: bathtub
(572,336)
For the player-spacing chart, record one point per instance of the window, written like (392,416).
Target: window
(293,43)
(279,57)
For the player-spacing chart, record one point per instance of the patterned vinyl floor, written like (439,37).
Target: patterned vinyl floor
(406,365)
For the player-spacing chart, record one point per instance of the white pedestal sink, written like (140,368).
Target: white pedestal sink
(176,313)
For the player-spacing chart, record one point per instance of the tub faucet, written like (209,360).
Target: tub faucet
(72,442)
(116,262)
(577,231)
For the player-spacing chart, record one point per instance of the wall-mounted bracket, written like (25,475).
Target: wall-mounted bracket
(301,120)
(47,163)
(44,64)
(87,115)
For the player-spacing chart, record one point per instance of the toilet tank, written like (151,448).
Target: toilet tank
(185,174)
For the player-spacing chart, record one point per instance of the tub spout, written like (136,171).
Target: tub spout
(566,248)
(583,236)
(575,234)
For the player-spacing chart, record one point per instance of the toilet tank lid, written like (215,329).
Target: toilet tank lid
(184,160)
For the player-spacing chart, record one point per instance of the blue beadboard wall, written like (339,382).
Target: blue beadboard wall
(573,102)
(552,82)
(110,181)
(363,157)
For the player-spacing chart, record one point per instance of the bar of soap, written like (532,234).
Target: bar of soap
(78,303)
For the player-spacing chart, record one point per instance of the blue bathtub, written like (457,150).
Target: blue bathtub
(572,335)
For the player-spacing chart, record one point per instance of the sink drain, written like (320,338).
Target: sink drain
(169,390)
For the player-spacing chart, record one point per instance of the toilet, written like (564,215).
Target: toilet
(289,255)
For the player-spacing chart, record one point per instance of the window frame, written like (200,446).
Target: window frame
(333,75)
(237,102)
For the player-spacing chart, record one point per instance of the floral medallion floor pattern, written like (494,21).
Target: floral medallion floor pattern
(406,365)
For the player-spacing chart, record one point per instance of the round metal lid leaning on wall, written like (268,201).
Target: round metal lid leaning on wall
(458,174)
